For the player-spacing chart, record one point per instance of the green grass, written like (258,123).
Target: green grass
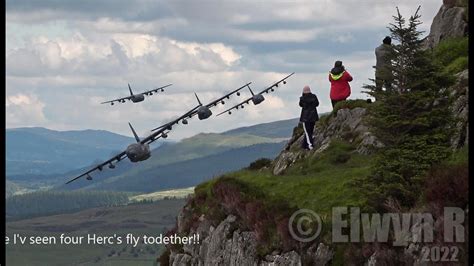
(452,54)
(459,157)
(458,65)
(318,183)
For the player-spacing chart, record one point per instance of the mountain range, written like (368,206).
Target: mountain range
(172,165)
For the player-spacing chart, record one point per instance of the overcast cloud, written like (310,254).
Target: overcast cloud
(65,57)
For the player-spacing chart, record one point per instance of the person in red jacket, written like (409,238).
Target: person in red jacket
(340,88)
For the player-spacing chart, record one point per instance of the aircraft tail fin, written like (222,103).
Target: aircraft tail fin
(130,89)
(250,90)
(134,133)
(199,101)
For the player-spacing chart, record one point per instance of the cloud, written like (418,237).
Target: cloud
(24,110)
(65,57)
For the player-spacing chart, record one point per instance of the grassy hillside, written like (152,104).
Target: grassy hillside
(318,183)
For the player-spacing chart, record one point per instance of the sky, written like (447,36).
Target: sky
(65,57)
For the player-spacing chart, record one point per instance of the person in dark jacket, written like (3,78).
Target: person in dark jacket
(340,88)
(309,116)
(383,73)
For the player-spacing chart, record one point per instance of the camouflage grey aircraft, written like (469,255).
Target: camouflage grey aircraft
(137,97)
(204,111)
(140,150)
(256,98)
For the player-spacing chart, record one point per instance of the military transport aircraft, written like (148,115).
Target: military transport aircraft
(204,111)
(137,97)
(256,98)
(140,150)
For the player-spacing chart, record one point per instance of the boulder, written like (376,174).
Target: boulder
(449,22)
(460,109)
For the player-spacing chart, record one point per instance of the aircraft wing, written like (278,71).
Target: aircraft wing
(247,101)
(150,92)
(161,129)
(118,100)
(216,102)
(276,84)
(237,106)
(99,167)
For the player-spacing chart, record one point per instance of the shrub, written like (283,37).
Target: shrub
(339,152)
(449,50)
(458,65)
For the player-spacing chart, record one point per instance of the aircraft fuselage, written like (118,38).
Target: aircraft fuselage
(258,98)
(204,112)
(137,98)
(137,152)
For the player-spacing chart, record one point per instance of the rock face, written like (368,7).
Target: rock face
(460,109)
(347,124)
(227,245)
(448,22)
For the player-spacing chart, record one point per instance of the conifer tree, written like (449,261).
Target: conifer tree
(412,118)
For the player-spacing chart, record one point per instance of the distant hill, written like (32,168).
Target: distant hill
(39,150)
(94,146)
(11,188)
(277,129)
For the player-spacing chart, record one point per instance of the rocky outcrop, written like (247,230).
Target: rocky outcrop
(228,245)
(347,124)
(449,22)
(460,109)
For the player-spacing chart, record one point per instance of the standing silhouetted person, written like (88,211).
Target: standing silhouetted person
(309,116)
(340,88)
(383,73)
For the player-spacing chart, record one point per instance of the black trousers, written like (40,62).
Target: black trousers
(308,141)
(381,82)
